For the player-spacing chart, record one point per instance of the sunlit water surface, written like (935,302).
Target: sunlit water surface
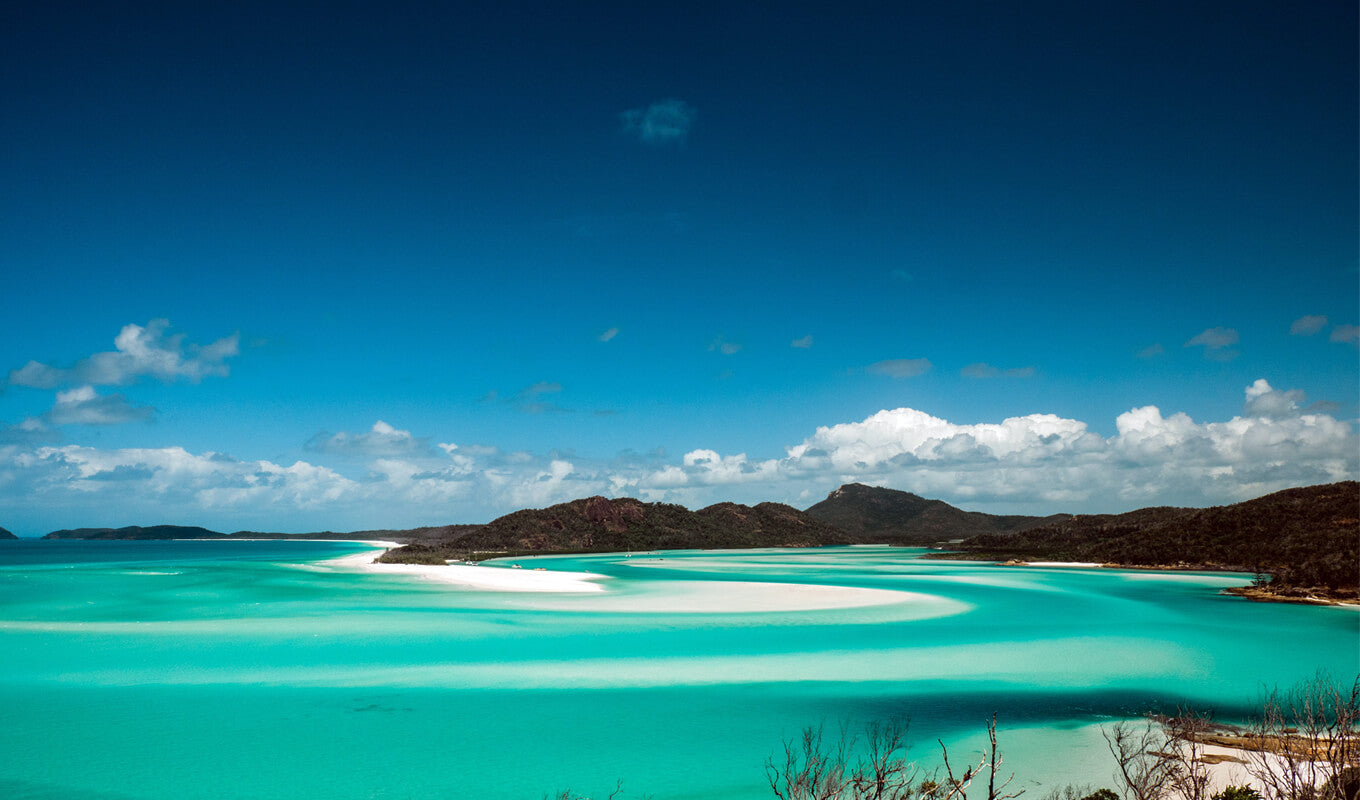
(160,670)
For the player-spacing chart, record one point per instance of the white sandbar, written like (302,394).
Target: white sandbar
(701,597)
(738,597)
(494,579)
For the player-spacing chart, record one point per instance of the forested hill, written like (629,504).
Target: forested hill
(4,534)
(138,532)
(1308,537)
(889,516)
(601,524)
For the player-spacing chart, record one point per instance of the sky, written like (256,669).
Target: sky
(303,266)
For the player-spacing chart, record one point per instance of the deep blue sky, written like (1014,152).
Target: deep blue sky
(431,216)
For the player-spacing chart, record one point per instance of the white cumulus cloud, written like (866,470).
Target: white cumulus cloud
(1049,462)
(138,351)
(1036,463)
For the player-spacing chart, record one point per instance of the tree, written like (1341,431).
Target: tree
(567,794)
(1308,741)
(1185,733)
(811,768)
(1143,772)
(990,760)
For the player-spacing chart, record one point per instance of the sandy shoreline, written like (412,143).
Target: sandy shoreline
(496,579)
(674,596)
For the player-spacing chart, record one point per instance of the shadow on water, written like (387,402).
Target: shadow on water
(945,709)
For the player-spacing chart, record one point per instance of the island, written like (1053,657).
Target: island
(1302,544)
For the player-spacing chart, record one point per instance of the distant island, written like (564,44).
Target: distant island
(4,534)
(1303,544)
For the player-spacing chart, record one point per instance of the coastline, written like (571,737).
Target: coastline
(1316,596)
(483,578)
(736,597)
(1261,594)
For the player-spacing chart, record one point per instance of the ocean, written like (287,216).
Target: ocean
(186,669)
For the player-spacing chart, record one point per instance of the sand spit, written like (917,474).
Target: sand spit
(483,578)
(743,597)
(608,594)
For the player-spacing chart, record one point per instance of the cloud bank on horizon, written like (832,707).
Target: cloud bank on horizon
(389,477)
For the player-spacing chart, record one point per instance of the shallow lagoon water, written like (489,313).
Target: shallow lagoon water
(162,670)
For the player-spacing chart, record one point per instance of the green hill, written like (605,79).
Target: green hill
(138,532)
(871,514)
(1307,538)
(603,525)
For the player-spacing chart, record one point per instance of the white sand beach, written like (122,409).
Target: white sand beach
(701,597)
(738,597)
(483,578)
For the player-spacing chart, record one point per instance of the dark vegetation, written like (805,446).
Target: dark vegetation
(598,524)
(874,515)
(138,532)
(428,533)
(1308,539)
(4,534)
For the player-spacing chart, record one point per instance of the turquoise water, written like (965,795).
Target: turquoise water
(162,670)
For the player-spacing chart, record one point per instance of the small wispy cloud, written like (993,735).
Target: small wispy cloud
(981,370)
(1349,334)
(802,344)
(901,367)
(608,334)
(1216,342)
(84,406)
(721,345)
(532,399)
(1152,351)
(660,123)
(901,276)
(1308,325)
